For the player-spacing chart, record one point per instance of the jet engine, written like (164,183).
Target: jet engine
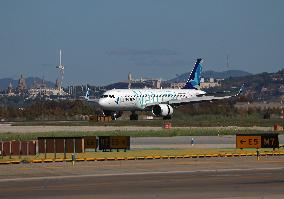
(163,110)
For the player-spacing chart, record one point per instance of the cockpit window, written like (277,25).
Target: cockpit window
(106,96)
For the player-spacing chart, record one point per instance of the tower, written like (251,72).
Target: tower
(61,73)
(129,80)
(10,89)
(22,85)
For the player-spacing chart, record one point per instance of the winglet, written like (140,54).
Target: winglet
(193,81)
(87,96)
(241,89)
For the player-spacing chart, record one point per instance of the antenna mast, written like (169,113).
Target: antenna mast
(61,72)
(228,61)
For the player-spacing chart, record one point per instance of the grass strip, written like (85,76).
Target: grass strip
(161,133)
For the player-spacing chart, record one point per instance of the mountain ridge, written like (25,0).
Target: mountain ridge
(211,74)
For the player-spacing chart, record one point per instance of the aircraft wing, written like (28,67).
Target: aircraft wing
(178,102)
(197,99)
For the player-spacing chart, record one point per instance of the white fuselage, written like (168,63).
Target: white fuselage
(139,99)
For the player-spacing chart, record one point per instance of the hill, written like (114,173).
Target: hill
(216,75)
(124,85)
(263,86)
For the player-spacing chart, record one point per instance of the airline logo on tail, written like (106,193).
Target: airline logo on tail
(87,96)
(193,81)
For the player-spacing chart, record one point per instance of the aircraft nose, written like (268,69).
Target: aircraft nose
(102,102)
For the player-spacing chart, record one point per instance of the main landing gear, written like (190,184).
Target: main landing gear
(133,116)
(167,117)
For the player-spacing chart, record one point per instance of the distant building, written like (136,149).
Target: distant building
(22,85)
(209,84)
(57,84)
(203,84)
(157,83)
(10,90)
(152,82)
(178,85)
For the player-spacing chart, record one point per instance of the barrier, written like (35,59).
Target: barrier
(36,161)
(144,157)
(5,162)
(48,160)
(100,159)
(59,160)
(18,148)
(90,159)
(15,162)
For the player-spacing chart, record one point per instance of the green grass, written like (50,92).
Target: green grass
(161,133)
(179,120)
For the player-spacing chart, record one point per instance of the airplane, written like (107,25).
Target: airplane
(159,101)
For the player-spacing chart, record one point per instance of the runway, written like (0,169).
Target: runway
(204,178)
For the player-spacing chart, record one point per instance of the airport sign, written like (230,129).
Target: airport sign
(267,140)
(248,142)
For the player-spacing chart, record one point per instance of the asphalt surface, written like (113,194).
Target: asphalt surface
(184,142)
(182,178)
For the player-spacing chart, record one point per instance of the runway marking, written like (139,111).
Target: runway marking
(137,173)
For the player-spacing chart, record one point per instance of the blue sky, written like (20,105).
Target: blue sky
(104,40)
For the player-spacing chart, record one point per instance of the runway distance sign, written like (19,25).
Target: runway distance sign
(266,140)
